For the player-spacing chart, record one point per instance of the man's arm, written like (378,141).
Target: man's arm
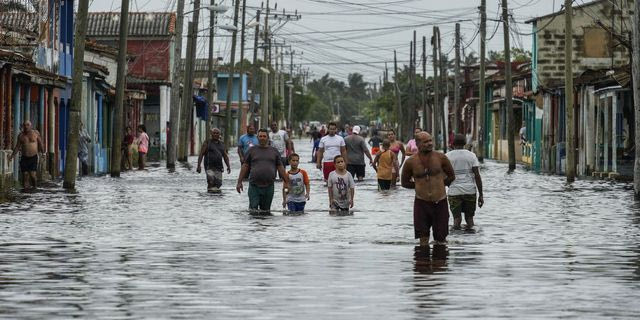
(243,173)
(375,162)
(366,151)
(404,152)
(16,147)
(352,193)
(240,153)
(283,174)
(407,173)
(447,168)
(319,155)
(41,144)
(225,156)
(202,152)
(476,172)
(343,152)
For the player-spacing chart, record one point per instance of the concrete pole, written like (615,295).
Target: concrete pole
(444,116)
(436,87)
(481,90)
(509,89)
(71,159)
(636,94)
(406,124)
(425,114)
(227,128)
(256,69)
(289,115)
(174,116)
(241,68)
(568,85)
(456,89)
(187,92)
(211,87)
(266,60)
(118,131)
(398,97)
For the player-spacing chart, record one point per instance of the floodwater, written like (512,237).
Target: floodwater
(156,245)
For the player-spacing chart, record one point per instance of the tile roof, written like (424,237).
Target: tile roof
(147,24)
(19,21)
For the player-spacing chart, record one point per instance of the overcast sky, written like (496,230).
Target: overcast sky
(345,36)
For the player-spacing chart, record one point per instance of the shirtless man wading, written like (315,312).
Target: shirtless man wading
(28,145)
(428,172)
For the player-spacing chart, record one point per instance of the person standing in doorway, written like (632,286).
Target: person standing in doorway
(429,172)
(280,140)
(262,161)
(356,150)
(83,150)
(214,152)
(29,145)
(467,187)
(330,146)
(247,141)
(143,146)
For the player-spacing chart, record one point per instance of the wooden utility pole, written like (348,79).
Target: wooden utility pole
(414,91)
(568,85)
(71,158)
(411,99)
(481,90)
(425,115)
(264,97)
(456,81)
(234,37)
(256,69)
(174,116)
(241,67)
(398,97)
(116,151)
(444,115)
(636,93)
(509,89)
(211,87)
(187,92)
(289,114)
(436,88)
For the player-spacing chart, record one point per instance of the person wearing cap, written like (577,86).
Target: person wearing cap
(466,189)
(356,150)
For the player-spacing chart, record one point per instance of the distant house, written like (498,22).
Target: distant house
(150,44)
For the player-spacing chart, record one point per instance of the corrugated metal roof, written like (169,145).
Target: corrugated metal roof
(147,24)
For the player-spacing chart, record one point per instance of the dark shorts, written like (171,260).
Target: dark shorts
(463,203)
(29,164)
(327,167)
(356,170)
(260,197)
(295,206)
(384,184)
(427,215)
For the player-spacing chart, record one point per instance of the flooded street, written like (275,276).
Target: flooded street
(156,245)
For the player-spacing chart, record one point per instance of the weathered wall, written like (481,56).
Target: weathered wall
(591,43)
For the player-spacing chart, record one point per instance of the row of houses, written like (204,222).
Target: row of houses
(603,101)
(36,58)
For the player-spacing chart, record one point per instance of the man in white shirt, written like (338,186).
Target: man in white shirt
(462,191)
(279,139)
(330,146)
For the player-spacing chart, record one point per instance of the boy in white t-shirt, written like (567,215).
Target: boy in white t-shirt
(330,146)
(341,186)
(462,191)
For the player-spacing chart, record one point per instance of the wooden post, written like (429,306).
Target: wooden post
(71,159)
(187,93)
(174,116)
(116,153)
(509,89)
(227,128)
(481,90)
(636,94)
(398,98)
(568,85)
(211,87)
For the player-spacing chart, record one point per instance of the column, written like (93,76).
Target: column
(614,132)
(606,133)
(27,104)
(17,116)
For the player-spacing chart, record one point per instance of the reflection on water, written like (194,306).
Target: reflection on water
(155,244)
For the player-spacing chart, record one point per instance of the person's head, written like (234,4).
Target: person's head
(128,130)
(274,126)
(339,162)
(416,131)
(374,132)
(424,142)
(215,134)
(289,131)
(386,144)
(391,135)
(263,137)
(459,141)
(142,128)
(356,130)
(251,130)
(524,123)
(294,160)
(332,127)
(26,126)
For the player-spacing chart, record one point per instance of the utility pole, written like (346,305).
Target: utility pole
(241,68)
(456,89)
(264,98)
(444,116)
(291,86)
(481,90)
(187,92)
(71,158)
(509,89)
(174,116)
(210,85)
(425,114)
(436,86)
(256,69)
(568,85)
(406,124)
(116,155)
(398,97)
(227,128)
(636,94)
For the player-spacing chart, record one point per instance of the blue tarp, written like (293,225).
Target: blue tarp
(202,107)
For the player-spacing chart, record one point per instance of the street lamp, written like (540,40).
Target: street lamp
(214,8)
(229,28)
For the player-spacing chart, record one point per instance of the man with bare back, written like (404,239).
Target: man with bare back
(28,145)
(428,172)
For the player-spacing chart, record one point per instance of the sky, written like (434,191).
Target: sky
(340,37)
